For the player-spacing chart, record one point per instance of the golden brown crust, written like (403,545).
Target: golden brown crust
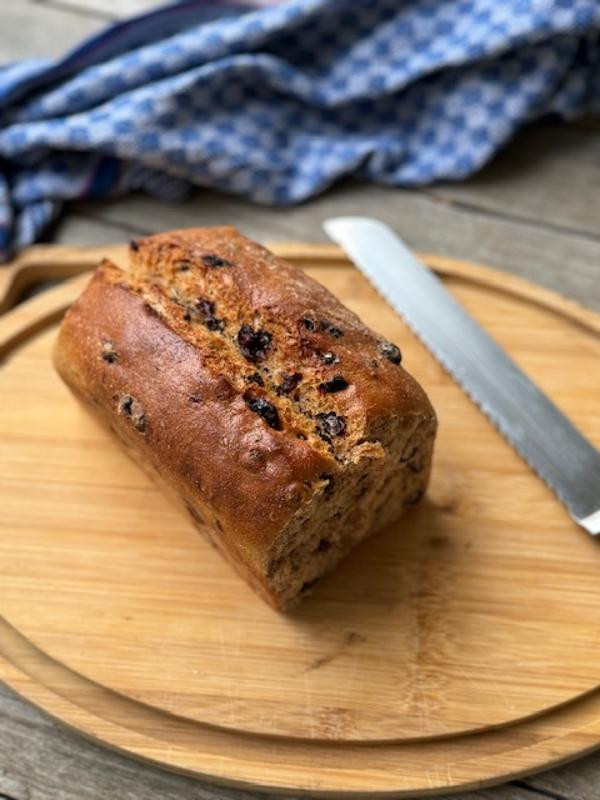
(249,478)
(174,385)
(260,285)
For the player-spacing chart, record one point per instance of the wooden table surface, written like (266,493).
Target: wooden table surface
(534,211)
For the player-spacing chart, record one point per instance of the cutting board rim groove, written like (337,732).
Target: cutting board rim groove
(23,322)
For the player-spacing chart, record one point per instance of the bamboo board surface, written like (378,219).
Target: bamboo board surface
(482,612)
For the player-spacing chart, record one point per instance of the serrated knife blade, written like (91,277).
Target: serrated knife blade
(523,414)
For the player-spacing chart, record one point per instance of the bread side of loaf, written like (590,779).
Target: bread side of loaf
(288,429)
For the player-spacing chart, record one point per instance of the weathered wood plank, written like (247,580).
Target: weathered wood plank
(577,781)
(561,260)
(30,30)
(549,177)
(75,228)
(108,9)
(40,760)
(549,174)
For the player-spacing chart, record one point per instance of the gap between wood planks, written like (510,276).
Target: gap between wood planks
(96,8)
(521,219)
(75,8)
(431,194)
(564,261)
(537,791)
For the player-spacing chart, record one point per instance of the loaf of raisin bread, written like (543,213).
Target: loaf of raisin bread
(288,429)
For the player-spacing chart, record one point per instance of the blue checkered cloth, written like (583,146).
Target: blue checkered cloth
(277,103)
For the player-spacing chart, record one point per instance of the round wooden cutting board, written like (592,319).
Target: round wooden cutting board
(458,647)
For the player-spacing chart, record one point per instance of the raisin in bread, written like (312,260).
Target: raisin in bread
(289,430)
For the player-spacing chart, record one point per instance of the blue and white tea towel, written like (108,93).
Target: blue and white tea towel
(277,103)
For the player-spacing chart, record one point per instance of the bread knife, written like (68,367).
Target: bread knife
(523,414)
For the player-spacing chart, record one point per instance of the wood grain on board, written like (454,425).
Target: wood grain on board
(477,614)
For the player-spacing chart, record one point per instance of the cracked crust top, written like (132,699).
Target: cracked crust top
(241,379)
